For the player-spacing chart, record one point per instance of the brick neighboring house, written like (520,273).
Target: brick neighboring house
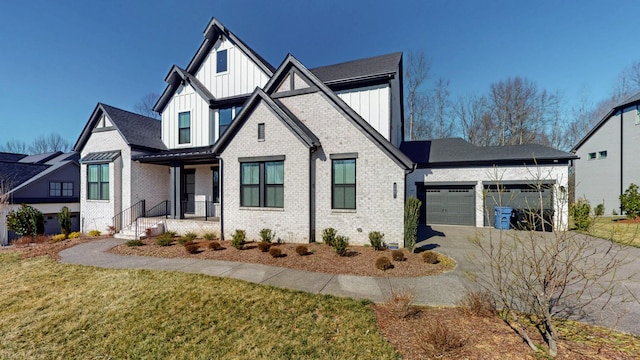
(46,182)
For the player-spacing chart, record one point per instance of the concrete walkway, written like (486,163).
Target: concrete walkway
(447,289)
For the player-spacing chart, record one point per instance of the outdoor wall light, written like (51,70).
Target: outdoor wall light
(395,190)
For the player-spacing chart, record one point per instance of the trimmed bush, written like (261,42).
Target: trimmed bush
(58,238)
(376,239)
(383,263)
(239,237)
(215,246)
(210,236)
(64,219)
(302,250)
(134,243)
(430,257)
(329,236)
(264,246)
(94,233)
(275,252)
(74,235)
(630,201)
(340,244)
(398,255)
(165,239)
(580,211)
(267,235)
(192,248)
(411,217)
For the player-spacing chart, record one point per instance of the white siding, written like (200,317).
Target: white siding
(373,104)
(186,99)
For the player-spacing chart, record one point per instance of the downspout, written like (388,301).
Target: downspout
(621,156)
(312,198)
(221,194)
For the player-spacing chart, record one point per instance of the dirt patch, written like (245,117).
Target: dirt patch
(628,221)
(321,258)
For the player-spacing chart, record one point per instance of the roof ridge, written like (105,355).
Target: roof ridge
(358,60)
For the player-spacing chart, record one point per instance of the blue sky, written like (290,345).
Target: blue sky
(59,58)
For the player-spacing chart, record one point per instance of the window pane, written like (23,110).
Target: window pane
(275,172)
(224,119)
(275,196)
(221,58)
(92,191)
(104,173)
(54,189)
(250,195)
(104,191)
(349,171)
(350,197)
(67,189)
(250,173)
(92,173)
(338,198)
(184,120)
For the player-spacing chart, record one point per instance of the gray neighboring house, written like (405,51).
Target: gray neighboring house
(460,183)
(608,161)
(45,181)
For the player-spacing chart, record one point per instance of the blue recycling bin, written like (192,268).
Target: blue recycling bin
(503,217)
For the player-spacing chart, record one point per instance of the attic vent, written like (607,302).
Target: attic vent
(261,131)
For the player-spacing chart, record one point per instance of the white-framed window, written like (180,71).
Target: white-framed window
(221,61)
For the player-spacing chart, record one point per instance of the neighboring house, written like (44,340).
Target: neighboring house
(460,183)
(46,182)
(607,162)
(243,145)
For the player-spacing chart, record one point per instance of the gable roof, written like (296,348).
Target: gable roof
(212,33)
(632,100)
(5,156)
(359,70)
(458,151)
(19,174)
(372,134)
(301,131)
(138,131)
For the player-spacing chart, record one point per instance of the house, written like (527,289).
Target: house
(460,183)
(607,162)
(46,182)
(245,145)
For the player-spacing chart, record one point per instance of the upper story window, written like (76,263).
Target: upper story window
(591,156)
(221,61)
(261,131)
(184,127)
(262,184)
(225,116)
(98,182)
(602,154)
(61,189)
(343,184)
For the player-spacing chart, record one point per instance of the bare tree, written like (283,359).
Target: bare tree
(540,277)
(472,113)
(440,110)
(15,146)
(49,143)
(145,105)
(415,76)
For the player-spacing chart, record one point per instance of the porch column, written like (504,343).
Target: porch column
(176,173)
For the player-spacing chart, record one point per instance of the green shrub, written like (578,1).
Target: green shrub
(94,233)
(74,235)
(275,252)
(580,211)
(134,243)
(26,221)
(599,210)
(264,246)
(302,250)
(238,239)
(58,238)
(340,244)
(210,236)
(64,219)
(411,218)
(329,236)
(383,263)
(215,246)
(376,239)
(267,235)
(191,235)
(192,248)
(398,255)
(165,239)
(630,201)
(183,240)
(430,257)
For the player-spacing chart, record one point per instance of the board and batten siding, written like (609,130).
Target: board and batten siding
(372,103)
(186,99)
(242,75)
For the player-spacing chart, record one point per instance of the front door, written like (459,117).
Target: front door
(189,191)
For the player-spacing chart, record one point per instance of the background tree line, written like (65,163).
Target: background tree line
(512,111)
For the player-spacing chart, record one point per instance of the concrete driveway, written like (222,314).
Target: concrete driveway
(621,312)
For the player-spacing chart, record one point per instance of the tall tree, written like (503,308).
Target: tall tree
(145,105)
(415,76)
(472,113)
(442,125)
(49,143)
(15,146)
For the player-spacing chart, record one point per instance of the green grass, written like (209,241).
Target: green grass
(50,310)
(610,229)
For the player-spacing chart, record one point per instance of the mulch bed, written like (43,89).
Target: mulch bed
(42,245)
(321,258)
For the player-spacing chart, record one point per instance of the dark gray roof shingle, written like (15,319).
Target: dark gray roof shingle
(459,151)
(359,69)
(138,130)
(16,172)
(4,156)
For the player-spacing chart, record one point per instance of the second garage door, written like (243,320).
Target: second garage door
(450,205)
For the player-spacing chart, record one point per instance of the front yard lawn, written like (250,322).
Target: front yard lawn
(616,230)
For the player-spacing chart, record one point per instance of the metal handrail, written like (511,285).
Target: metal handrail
(128,216)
